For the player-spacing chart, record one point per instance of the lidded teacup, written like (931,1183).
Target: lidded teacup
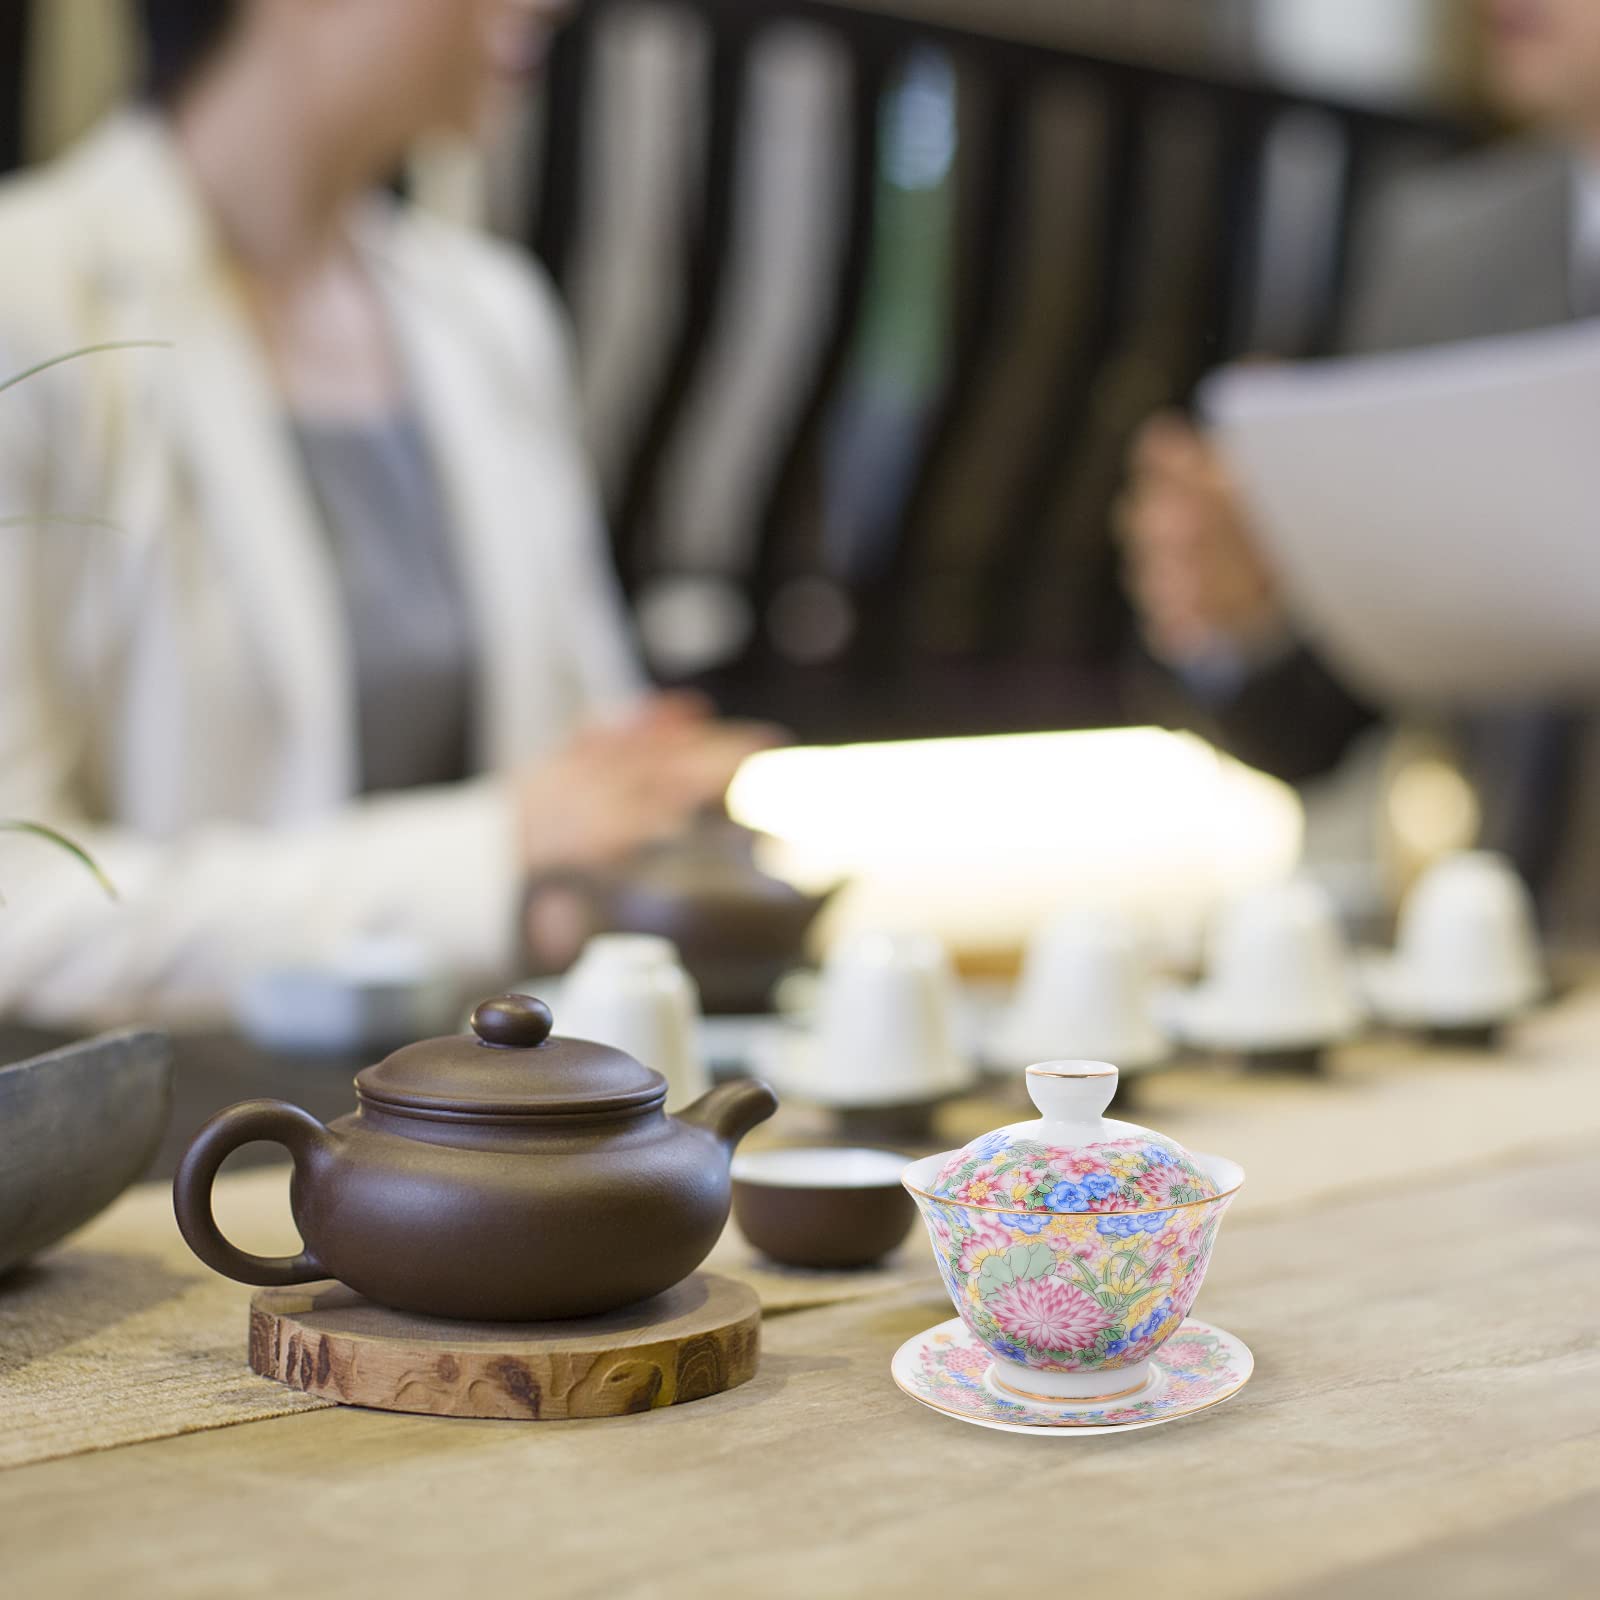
(1074,1245)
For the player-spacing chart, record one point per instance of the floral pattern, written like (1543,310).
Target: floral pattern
(946,1367)
(1018,1174)
(1049,1313)
(1074,1291)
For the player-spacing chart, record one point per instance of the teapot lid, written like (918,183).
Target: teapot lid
(1073,1158)
(511,1066)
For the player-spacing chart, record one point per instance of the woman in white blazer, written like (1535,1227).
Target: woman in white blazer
(185,656)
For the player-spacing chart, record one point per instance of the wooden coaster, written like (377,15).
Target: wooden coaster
(697,1339)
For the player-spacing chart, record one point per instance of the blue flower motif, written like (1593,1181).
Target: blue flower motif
(991,1144)
(1125,1224)
(1100,1184)
(1157,1157)
(1147,1328)
(1028,1221)
(1117,1346)
(1012,1352)
(1068,1197)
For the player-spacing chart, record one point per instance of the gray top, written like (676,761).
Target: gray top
(410,630)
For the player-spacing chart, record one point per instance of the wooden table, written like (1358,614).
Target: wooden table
(1424,1421)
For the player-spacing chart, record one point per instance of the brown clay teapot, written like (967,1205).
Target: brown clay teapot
(507,1177)
(738,929)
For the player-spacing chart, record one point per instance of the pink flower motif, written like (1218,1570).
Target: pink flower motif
(1109,1202)
(972,1360)
(1076,1166)
(1049,1314)
(989,1239)
(1160,1182)
(1019,1181)
(1187,1355)
(1168,1240)
(1083,1252)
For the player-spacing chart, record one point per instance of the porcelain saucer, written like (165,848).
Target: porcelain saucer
(1397,994)
(789,1060)
(946,1369)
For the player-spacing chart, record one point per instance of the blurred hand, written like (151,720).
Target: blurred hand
(1192,567)
(616,787)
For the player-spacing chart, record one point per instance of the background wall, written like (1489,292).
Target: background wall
(867,308)
(1406,50)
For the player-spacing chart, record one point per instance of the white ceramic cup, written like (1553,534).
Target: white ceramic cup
(1084,992)
(1279,976)
(884,1030)
(371,993)
(630,991)
(1466,951)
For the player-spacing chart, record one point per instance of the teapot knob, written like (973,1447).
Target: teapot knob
(513,1022)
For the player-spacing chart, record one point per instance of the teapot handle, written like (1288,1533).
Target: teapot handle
(277,1122)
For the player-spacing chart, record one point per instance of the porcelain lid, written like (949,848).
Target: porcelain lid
(511,1066)
(1073,1158)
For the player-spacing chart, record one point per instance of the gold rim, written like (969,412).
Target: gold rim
(1068,1423)
(1023,1211)
(1063,1400)
(1050,1072)
(1048,1427)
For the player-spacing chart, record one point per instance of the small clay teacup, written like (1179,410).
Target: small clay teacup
(832,1209)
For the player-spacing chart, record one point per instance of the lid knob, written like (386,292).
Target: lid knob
(1072,1091)
(513,1022)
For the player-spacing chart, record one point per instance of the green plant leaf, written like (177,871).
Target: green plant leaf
(40,830)
(74,355)
(1031,1261)
(993,1276)
(42,519)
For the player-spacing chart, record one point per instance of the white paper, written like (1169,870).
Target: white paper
(1434,517)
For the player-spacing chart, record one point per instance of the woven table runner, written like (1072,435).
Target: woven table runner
(122,1336)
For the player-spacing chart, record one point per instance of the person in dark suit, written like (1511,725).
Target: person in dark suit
(1501,242)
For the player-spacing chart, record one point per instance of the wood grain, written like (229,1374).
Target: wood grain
(1427,1388)
(698,1339)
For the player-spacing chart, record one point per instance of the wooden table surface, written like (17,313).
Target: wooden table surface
(1424,1418)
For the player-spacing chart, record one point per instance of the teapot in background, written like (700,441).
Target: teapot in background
(738,929)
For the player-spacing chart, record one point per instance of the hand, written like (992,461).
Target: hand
(616,787)
(1193,569)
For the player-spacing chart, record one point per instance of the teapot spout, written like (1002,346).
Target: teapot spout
(731,1110)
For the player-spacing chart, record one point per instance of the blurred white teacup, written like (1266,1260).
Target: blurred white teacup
(884,1031)
(371,993)
(1466,951)
(1084,994)
(630,991)
(1279,977)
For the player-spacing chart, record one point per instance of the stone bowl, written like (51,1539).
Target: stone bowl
(77,1126)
